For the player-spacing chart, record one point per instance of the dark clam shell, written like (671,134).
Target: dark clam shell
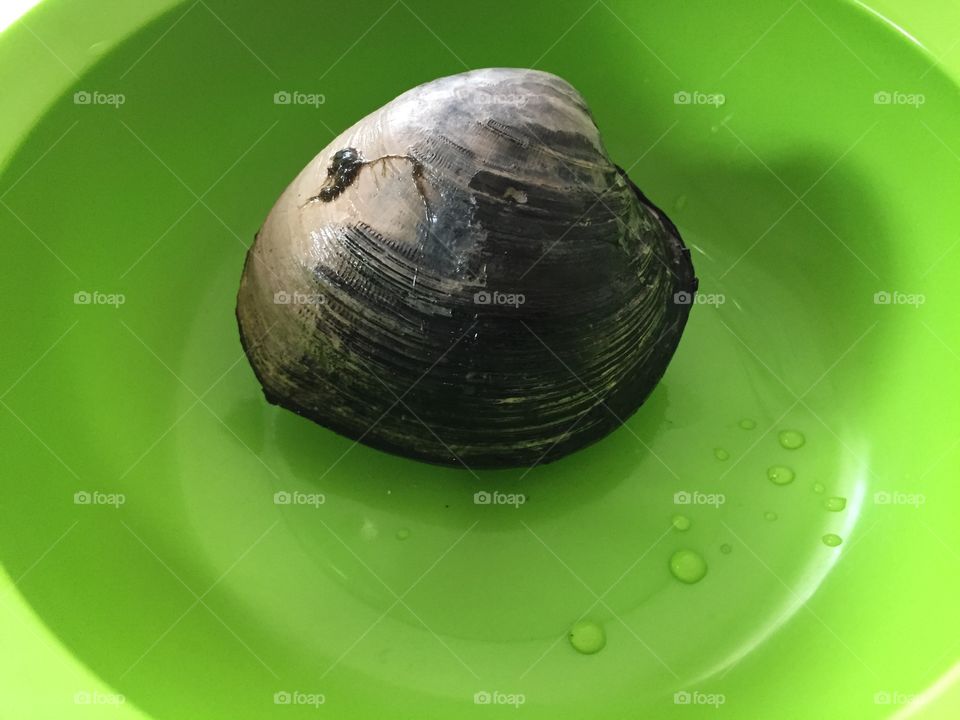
(465,277)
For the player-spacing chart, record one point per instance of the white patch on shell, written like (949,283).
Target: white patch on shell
(516,195)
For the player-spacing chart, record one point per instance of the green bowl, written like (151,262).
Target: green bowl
(174,547)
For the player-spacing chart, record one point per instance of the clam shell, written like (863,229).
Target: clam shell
(483,287)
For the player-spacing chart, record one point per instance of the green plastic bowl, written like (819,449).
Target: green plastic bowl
(174,547)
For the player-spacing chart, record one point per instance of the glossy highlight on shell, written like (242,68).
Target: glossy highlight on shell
(465,277)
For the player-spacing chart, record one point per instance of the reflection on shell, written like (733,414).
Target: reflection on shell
(465,277)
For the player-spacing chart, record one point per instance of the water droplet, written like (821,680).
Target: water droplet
(721,454)
(832,540)
(403,534)
(587,637)
(726,548)
(818,487)
(748,424)
(770,516)
(792,439)
(681,522)
(835,504)
(688,566)
(780,475)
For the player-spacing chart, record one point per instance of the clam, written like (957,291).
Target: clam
(465,277)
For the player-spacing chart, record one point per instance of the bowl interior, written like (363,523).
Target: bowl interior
(219,551)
